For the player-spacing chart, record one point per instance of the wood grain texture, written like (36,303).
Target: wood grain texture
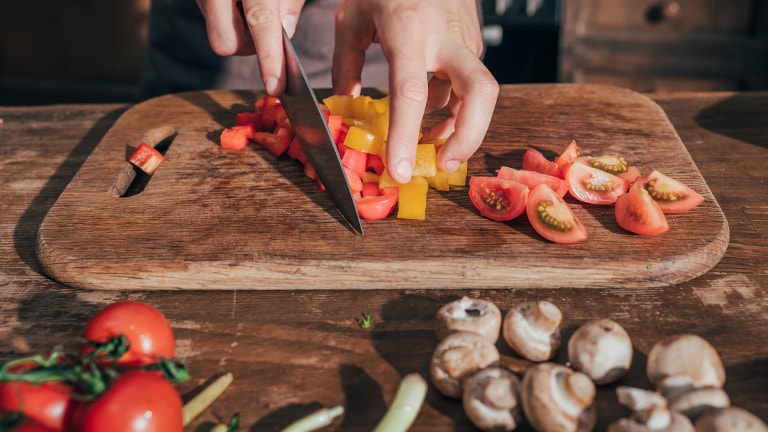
(216,219)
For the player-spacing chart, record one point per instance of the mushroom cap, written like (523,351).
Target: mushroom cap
(697,401)
(601,349)
(557,398)
(731,419)
(686,354)
(676,423)
(466,314)
(456,357)
(491,399)
(532,330)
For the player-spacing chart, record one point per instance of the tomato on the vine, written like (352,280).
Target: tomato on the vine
(149,334)
(43,404)
(138,401)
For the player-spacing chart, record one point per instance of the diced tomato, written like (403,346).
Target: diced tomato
(673,196)
(270,108)
(375,163)
(147,158)
(249,118)
(498,199)
(571,152)
(534,160)
(355,160)
(276,143)
(370,189)
(375,207)
(247,129)
(551,217)
(533,179)
(637,212)
(334,127)
(296,151)
(591,185)
(355,182)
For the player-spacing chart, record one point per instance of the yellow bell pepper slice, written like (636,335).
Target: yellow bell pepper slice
(458,177)
(340,105)
(439,181)
(412,200)
(362,139)
(426,161)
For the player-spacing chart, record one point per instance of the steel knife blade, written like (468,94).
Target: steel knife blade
(303,110)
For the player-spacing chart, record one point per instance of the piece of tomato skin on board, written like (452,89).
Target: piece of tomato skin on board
(637,212)
(593,186)
(498,199)
(673,196)
(551,217)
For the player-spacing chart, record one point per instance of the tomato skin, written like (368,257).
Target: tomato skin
(637,212)
(138,401)
(570,154)
(534,160)
(149,334)
(43,404)
(593,186)
(498,199)
(375,207)
(533,179)
(672,196)
(545,207)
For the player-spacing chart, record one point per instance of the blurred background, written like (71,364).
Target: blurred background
(61,51)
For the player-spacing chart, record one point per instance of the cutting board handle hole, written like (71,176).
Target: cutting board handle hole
(131,180)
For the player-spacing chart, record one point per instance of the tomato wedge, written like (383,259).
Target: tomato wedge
(637,212)
(375,207)
(614,164)
(594,186)
(672,195)
(551,217)
(571,152)
(498,199)
(533,179)
(534,160)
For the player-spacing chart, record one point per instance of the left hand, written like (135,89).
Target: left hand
(441,37)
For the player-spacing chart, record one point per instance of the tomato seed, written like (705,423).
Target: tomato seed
(542,211)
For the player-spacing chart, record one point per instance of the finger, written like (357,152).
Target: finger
(404,48)
(439,93)
(265,25)
(227,33)
(351,41)
(477,92)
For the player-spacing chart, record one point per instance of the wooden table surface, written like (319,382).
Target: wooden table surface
(293,352)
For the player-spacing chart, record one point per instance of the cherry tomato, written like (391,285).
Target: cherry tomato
(534,160)
(375,207)
(149,334)
(138,401)
(637,212)
(551,217)
(496,198)
(594,186)
(672,195)
(43,404)
(571,152)
(614,164)
(533,179)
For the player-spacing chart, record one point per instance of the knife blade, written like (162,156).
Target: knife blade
(309,125)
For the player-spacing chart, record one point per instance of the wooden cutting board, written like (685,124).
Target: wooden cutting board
(210,218)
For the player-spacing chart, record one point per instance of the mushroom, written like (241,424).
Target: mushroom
(475,315)
(732,419)
(557,398)
(601,349)
(697,401)
(532,330)
(456,357)
(686,355)
(491,399)
(649,413)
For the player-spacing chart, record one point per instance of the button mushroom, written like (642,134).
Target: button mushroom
(456,357)
(475,315)
(686,355)
(491,399)
(697,401)
(532,330)
(557,398)
(601,349)
(649,413)
(732,419)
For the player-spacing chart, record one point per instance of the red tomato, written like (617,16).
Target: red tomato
(146,158)
(533,179)
(355,182)
(534,160)
(496,198)
(375,207)
(614,164)
(637,212)
(551,217)
(296,151)
(138,401)
(591,185)
(233,139)
(672,195)
(355,160)
(571,152)
(149,334)
(44,404)
(29,425)
(276,142)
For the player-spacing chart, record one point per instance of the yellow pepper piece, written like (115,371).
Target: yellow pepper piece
(426,161)
(412,200)
(385,181)
(362,139)
(439,181)
(360,107)
(458,177)
(340,105)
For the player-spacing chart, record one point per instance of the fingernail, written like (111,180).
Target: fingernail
(289,24)
(270,85)
(452,165)
(404,170)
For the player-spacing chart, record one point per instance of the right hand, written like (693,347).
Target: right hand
(260,32)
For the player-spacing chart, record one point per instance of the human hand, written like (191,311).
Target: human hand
(257,28)
(438,36)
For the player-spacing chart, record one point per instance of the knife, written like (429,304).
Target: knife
(303,110)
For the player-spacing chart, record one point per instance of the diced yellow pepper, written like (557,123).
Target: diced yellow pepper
(439,181)
(360,107)
(458,177)
(426,165)
(362,139)
(340,105)
(385,181)
(380,125)
(412,200)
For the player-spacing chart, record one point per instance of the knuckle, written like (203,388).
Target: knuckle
(414,89)
(259,16)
